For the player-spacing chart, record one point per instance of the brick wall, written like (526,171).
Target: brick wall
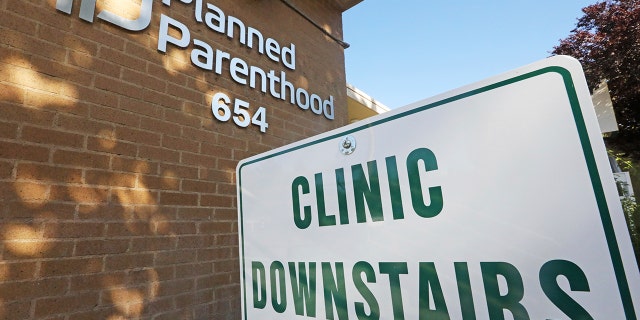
(117,184)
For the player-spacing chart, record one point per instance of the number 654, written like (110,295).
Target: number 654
(221,110)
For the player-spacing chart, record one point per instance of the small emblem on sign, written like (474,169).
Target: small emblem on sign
(347,145)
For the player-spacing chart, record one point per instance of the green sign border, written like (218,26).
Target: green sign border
(596,183)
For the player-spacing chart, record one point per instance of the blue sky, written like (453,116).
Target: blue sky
(405,51)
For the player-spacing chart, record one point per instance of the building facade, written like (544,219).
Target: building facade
(121,125)
(361,105)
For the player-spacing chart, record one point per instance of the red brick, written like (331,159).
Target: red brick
(158,154)
(109,178)
(57,70)
(18,23)
(227,165)
(215,150)
(226,240)
(83,125)
(217,175)
(150,110)
(183,226)
(117,116)
(216,201)
(225,266)
(118,87)
(138,136)
(159,70)
(225,214)
(26,191)
(33,45)
(8,130)
(180,117)
(99,97)
(195,214)
(57,250)
(198,134)
(121,58)
(216,227)
(147,244)
(185,93)
(107,39)
(16,310)
(215,253)
(136,197)
(198,186)
(141,78)
(227,189)
(141,50)
(10,93)
(170,315)
(135,166)
(52,136)
(189,242)
(160,182)
(25,114)
(12,150)
(17,271)
(20,210)
(129,261)
(80,194)
(178,199)
(97,313)
(66,304)
(175,257)
(197,159)
(161,305)
(112,146)
(166,127)
(183,172)
(232,142)
(75,230)
(87,61)
(28,10)
(221,128)
(164,100)
(67,40)
(199,109)
(87,282)
(101,247)
(46,172)
(33,289)
(180,144)
(213,280)
(128,229)
(176,287)
(81,159)
(59,96)
(6,170)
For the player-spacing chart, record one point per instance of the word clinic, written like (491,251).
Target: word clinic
(367,192)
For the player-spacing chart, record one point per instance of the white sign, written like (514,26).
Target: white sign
(494,201)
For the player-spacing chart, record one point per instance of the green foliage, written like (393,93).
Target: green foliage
(606,40)
(630,206)
(632,214)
